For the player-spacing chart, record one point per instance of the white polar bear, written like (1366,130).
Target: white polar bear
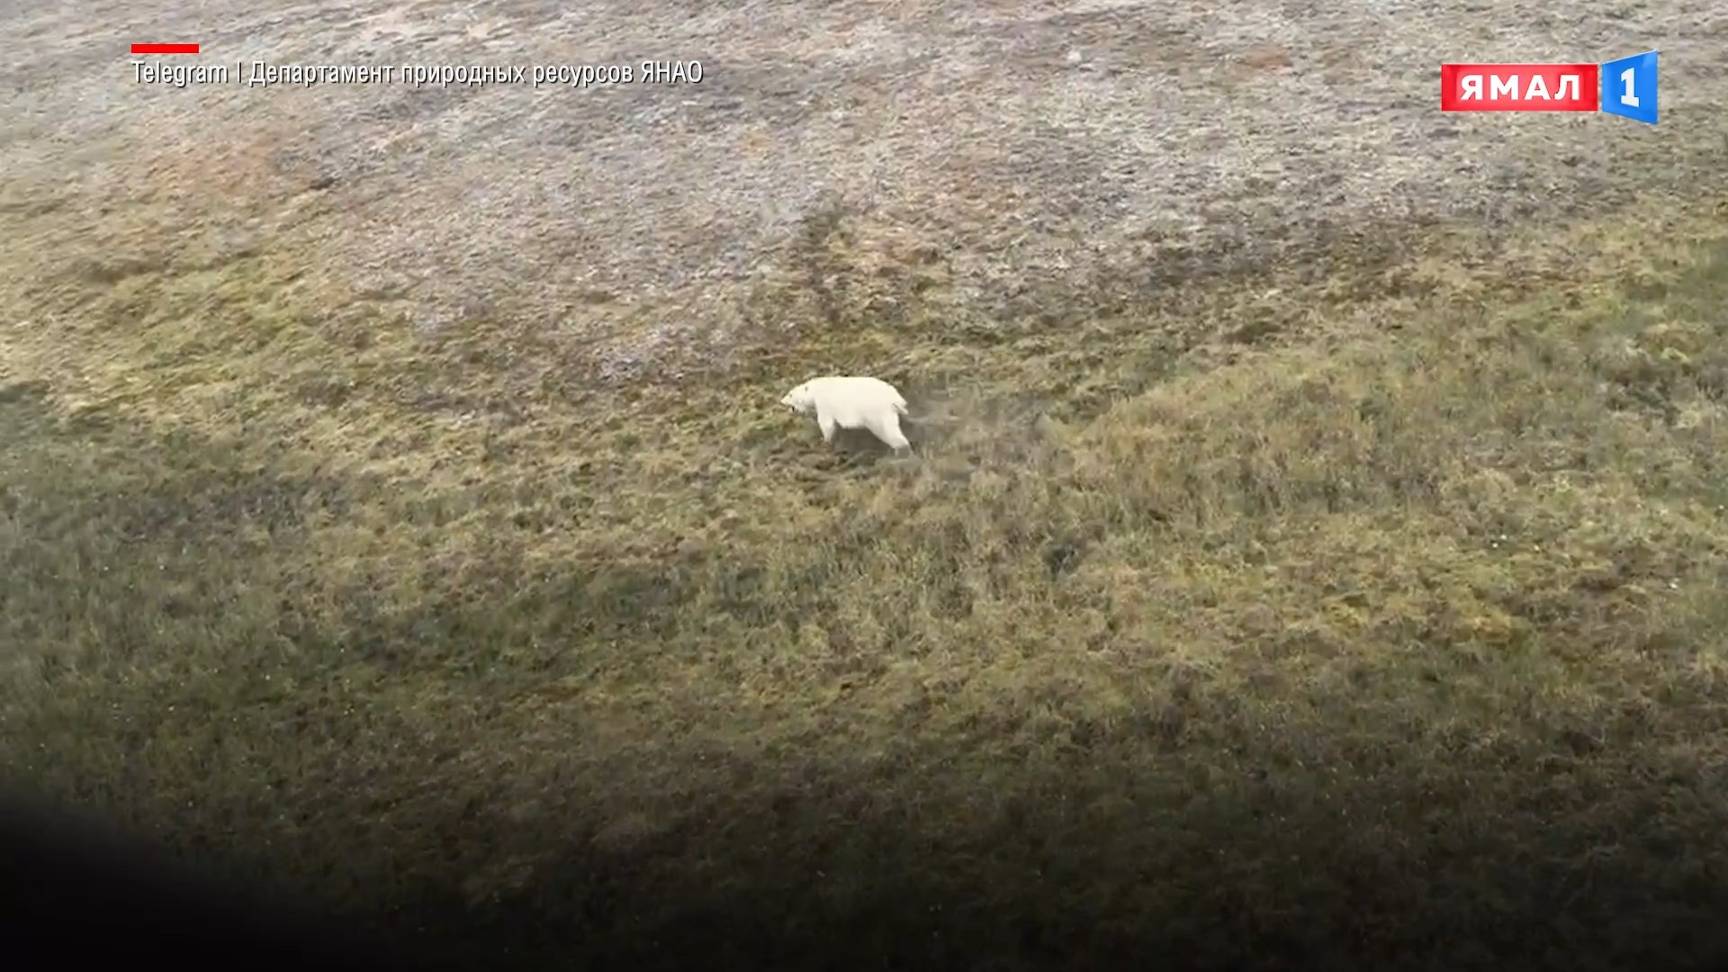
(849,402)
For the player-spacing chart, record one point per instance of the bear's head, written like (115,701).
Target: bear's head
(799,399)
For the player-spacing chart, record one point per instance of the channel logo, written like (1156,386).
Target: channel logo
(1624,87)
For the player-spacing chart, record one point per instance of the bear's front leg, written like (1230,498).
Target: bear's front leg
(827,423)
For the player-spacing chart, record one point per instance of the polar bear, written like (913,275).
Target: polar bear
(851,402)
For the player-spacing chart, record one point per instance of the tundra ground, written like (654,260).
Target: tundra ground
(1314,554)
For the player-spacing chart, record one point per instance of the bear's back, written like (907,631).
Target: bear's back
(851,399)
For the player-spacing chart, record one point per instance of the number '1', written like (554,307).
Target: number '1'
(1628,98)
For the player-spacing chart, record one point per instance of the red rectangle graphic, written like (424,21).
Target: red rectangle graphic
(1519,87)
(164,48)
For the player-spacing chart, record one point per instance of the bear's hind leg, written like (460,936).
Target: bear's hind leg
(887,428)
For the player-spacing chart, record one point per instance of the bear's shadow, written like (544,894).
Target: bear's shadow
(860,446)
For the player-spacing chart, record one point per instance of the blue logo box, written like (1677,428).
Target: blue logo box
(1629,87)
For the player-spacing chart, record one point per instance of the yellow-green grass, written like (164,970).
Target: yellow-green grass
(1389,626)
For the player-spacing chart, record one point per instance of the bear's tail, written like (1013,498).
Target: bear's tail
(900,405)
